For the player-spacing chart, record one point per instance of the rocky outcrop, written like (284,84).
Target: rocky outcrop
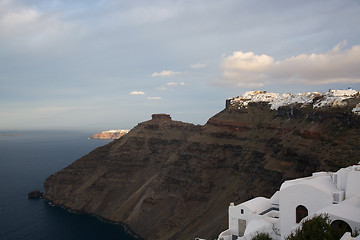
(110,134)
(35,194)
(167,179)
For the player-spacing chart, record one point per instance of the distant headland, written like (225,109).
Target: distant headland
(110,134)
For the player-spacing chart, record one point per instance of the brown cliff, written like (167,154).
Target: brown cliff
(173,180)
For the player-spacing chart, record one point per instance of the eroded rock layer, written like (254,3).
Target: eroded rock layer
(173,180)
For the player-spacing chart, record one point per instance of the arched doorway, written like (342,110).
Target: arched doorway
(340,227)
(301,212)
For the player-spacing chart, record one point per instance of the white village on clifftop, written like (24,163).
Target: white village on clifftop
(332,98)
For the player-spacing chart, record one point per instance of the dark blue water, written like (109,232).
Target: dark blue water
(25,162)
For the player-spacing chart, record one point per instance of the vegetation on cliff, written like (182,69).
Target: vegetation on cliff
(318,227)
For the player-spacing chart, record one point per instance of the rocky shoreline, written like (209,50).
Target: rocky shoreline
(125,226)
(36,194)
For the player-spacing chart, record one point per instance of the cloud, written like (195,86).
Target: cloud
(39,28)
(197,66)
(165,73)
(13,19)
(247,69)
(154,98)
(148,14)
(248,61)
(137,93)
(172,83)
(64,109)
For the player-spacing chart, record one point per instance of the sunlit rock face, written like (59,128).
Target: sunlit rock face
(172,180)
(110,134)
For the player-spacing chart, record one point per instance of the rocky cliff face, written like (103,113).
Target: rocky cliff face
(110,134)
(173,180)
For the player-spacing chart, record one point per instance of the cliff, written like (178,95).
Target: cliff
(172,180)
(110,134)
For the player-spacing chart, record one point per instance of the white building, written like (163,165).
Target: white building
(336,194)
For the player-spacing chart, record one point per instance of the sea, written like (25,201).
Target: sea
(26,160)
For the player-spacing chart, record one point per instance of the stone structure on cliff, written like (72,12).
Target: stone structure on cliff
(167,179)
(161,116)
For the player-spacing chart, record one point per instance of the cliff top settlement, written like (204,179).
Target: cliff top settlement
(332,98)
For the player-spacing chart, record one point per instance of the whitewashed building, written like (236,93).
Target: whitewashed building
(336,194)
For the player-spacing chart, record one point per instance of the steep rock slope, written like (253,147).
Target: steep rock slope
(172,180)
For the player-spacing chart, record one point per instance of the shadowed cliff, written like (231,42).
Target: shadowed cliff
(173,180)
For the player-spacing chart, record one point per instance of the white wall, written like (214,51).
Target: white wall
(342,178)
(234,215)
(353,184)
(291,197)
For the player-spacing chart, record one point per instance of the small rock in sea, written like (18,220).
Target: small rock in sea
(35,194)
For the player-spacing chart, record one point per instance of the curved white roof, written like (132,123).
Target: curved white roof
(322,182)
(258,204)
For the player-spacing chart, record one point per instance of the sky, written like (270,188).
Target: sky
(96,65)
